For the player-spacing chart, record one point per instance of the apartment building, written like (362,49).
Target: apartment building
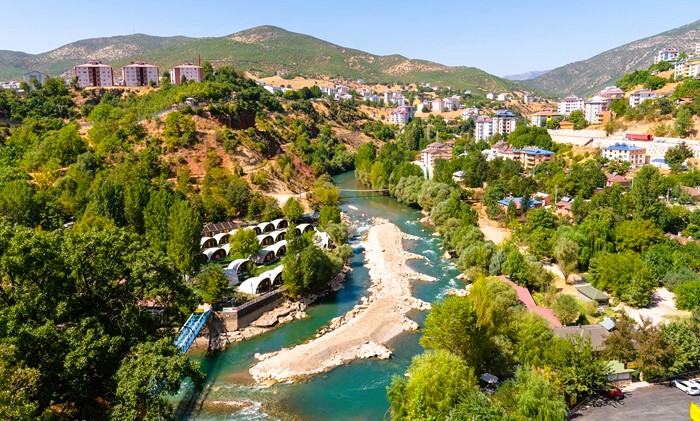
(595,108)
(531,157)
(687,68)
(94,73)
(484,128)
(540,118)
(402,115)
(624,152)
(504,122)
(641,95)
(40,77)
(187,71)
(435,151)
(570,104)
(666,54)
(139,73)
(437,105)
(611,92)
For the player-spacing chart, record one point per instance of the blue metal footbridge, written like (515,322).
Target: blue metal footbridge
(191,329)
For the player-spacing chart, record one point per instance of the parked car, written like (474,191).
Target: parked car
(688,387)
(615,393)
(695,382)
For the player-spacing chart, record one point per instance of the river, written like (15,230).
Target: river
(356,391)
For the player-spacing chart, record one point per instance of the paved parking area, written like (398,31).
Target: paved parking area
(650,403)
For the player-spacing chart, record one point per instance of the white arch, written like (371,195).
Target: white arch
(266,226)
(214,253)
(207,242)
(255,285)
(221,238)
(278,235)
(279,248)
(266,239)
(303,228)
(280,223)
(263,256)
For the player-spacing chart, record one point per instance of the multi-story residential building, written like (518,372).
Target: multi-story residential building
(504,122)
(624,152)
(187,71)
(402,115)
(94,73)
(687,68)
(469,113)
(435,151)
(342,89)
(327,90)
(531,157)
(611,92)
(569,104)
(490,96)
(40,77)
(139,73)
(502,97)
(529,97)
(437,105)
(697,49)
(594,109)
(484,128)
(666,54)
(540,118)
(641,95)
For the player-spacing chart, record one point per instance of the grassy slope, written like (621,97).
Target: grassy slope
(587,76)
(264,49)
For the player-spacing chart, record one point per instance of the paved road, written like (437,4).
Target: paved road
(649,403)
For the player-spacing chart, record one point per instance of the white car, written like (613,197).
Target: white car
(689,387)
(695,382)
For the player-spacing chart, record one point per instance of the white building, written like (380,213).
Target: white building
(342,89)
(94,73)
(502,97)
(435,151)
(503,122)
(666,54)
(139,73)
(272,89)
(402,115)
(529,97)
(641,95)
(469,113)
(327,90)
(40,77)
(570,104)
(489,96)
(484,128)
(624,152)
(594,109)
(187,71)
(611,92)
(437,105)
(687,68)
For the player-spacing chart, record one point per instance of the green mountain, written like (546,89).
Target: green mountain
(264,50)
(588,76)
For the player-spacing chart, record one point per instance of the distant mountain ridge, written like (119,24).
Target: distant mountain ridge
(525,76)
(588,76)
(264,49)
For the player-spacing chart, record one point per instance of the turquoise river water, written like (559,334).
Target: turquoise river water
(356,391)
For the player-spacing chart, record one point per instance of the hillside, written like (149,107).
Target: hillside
(110,49)
(587,76)
(526,76)
(263,50)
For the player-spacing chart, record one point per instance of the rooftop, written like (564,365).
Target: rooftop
(596,333)
(623,147)
(504,113)
(531,150)
(592,293)
(526,298)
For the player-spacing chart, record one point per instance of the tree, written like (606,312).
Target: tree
(238,196)
(292,210)
(185,226)
(531,396)
(566,252)
(516,267)
(150,372)
(329,215)
(637,235)
(647,187)
(577,118)
(688,295)
(156,219)
(565,307)
(684,122)
(180,130)
(244,242)
(210,283)
(676,155)
(436,380)
(453,326)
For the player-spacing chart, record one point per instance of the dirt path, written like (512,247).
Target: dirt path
(364,331)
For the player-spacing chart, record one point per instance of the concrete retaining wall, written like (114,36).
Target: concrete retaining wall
(241,316)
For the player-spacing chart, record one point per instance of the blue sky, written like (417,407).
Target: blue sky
(502,37)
